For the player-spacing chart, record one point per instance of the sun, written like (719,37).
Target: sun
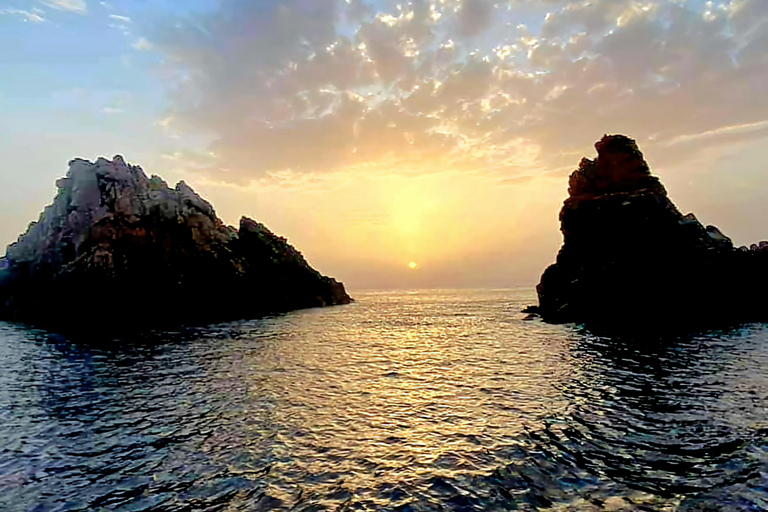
(413,265)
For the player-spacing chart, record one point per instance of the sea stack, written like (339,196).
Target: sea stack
(119,250)
(631,260)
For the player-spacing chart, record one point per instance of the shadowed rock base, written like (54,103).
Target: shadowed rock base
(632,261)
(119,251)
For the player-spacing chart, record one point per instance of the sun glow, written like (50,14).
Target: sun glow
(413,265)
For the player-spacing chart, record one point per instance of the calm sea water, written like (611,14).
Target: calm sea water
(429,400)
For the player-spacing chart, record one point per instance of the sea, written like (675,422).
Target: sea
(423,400)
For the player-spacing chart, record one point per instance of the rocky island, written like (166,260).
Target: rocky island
(119,250)
(631,260)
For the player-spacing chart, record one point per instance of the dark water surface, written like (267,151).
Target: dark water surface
(402,401)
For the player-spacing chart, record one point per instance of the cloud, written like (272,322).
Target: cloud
(76,6)
(474,16)
(123,19)
(34,16)
(121,23)
(141,44)
(116,101)
(324,85)
(759,127)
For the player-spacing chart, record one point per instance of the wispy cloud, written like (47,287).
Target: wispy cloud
(117,102)
(33,17)
(760,126)
(117,17)
(76,6)
(165,123)
(121,23)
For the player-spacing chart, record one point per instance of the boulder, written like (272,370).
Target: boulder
(117,248)
(631,260)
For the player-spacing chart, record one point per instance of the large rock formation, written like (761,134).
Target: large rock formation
(631,260)
(118,249)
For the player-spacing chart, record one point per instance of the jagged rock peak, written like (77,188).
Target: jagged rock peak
(630,260)
(93,191)
(619,167)
(114,234)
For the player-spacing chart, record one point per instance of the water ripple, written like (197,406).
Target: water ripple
(435,400)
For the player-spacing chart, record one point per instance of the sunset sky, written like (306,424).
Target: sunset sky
(374,134)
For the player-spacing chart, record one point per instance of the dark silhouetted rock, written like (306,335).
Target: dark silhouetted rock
(631,260)
(117,249)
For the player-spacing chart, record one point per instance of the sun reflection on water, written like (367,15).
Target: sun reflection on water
(405,391)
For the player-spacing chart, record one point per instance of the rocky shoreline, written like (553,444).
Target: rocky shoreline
(119,250)
(631,260)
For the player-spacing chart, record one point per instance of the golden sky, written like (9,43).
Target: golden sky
(375,134)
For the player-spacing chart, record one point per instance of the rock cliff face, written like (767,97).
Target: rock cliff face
(118,249)
(631,260)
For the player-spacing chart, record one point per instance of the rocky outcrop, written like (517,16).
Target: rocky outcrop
(631,260)
(118,249)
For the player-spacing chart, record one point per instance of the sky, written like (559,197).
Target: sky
(377,133)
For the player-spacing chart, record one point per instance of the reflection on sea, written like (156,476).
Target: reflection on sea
(430,400)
